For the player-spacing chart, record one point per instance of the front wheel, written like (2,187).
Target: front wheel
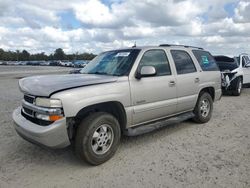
(238,87)
(97,138)
(203,109)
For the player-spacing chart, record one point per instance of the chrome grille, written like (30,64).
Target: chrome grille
(28,111)
(29,98)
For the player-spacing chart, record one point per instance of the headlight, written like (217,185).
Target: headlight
(50,103)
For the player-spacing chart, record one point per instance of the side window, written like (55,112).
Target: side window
(157,59)
(205,60)
(245,61)
(183,62)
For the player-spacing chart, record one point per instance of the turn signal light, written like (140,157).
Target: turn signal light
(49,117)
(55,117)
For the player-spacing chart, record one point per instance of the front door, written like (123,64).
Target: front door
(153,97)
(246,69)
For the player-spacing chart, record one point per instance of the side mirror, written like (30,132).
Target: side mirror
(146,71)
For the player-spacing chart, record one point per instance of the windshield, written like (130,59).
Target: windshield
(115,63)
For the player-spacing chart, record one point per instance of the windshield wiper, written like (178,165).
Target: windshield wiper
(98,72)
(103,73)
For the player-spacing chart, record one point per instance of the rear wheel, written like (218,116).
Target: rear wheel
(97,138)
(238,87)
(203,109)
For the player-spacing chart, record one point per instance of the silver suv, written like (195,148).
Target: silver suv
(127,91)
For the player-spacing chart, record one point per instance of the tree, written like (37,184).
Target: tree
(16,55)
(24,56)
(59,54)
(1,53)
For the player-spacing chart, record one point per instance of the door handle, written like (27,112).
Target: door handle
(171,83)
(196,80)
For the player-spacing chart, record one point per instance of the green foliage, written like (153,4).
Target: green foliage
(57,55)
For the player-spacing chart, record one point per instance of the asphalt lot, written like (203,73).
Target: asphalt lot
(215,154)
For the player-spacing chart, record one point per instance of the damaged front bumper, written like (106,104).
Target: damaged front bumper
(228,79)
(53,136)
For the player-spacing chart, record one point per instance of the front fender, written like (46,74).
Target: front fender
(74,100)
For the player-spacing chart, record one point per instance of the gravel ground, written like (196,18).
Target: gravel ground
(215,154)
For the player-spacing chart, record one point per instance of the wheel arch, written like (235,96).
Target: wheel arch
(241,76)
(209,90)
(114,108)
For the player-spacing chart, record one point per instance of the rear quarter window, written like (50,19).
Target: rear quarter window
(183,62)
(206,60)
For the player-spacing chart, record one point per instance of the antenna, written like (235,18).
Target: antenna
(134,45)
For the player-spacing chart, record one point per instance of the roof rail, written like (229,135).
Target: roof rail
(185,46)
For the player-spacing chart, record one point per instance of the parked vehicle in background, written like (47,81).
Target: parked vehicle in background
(54,63)
(65,63)
(235,72)
(128,91)
(45,63)
(75,71)
(3,63)
(22,63)
(80,63)
(12,62)
(34,63)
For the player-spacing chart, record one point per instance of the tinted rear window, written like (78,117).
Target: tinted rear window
(206,60)
(183,62)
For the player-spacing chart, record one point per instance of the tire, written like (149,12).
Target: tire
(238,87)
(202,114)
(92,143)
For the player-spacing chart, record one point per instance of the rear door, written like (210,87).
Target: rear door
(187,80)
(153,97)
(246,69)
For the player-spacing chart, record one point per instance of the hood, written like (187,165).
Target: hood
(226,63)
(47,85)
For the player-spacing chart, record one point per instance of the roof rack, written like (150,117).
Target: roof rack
(185,46)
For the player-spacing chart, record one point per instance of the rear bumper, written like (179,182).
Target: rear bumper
(218,94)
(54,135)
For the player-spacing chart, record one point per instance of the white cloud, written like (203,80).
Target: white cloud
(214,39)
(38,26)
(242,12)
(93,12)
(96,14)
(156,12)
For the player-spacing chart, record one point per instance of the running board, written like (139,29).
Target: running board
(146,128)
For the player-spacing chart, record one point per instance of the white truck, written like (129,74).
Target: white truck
(235,72)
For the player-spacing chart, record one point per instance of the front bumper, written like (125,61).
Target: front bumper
(229,81)
(54,135)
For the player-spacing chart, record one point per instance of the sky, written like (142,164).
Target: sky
(220,26)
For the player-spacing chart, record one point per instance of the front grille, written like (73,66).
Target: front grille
(29,99)
(28,111)
(30,114)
